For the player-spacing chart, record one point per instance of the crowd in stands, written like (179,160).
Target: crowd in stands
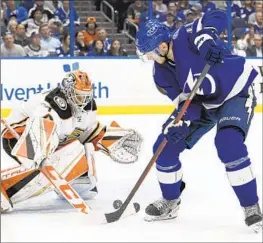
(247,21)
(41,28)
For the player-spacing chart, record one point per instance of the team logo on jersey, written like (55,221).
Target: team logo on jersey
(62,104)
(152,30)
(205,88)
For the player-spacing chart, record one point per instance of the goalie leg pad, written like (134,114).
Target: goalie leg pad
(85,185)
(6,204)
(233,153)
(38,141)
(69,160)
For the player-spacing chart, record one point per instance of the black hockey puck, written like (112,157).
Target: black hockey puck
(117,204)
(137,207)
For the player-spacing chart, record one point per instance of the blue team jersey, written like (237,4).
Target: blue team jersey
(63,16)
(244,13)
(20,13)
(223,81)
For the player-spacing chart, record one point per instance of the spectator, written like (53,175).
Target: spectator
(241,47)
(237,49)
(56,29)
(172,8)
(122,8)
(116,49)
(90,33)
(250,35)
(64,49)
(161,7)
(20,37)
(83,48)
(13,11)
(34,23)
(135,10)
(11,26)
(257,49)
(52,5)
(182,8)
(258,8)
(3,27)
(170,21)
(189,16)
(62,14)
(47,41)
(258,25)
(97,49)
(102,35)
(247,9)
(34,49)
(197,10)
(207,6)
(47,14)
(182,5)
(156,15)
(9,48)
(235,9)
(27,4)
(238,3)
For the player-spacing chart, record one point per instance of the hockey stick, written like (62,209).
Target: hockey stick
(56,179)
(114,216)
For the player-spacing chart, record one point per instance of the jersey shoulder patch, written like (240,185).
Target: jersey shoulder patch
(57,101)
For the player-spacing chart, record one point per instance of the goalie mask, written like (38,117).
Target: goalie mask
(77,88)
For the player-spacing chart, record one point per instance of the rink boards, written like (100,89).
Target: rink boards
(121,86)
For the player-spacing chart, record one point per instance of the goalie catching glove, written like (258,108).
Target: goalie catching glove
(122,145)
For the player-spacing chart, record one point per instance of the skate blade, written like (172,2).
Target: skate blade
(172,215)
(257,227)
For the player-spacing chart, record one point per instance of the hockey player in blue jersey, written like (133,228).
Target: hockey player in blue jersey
(225,99)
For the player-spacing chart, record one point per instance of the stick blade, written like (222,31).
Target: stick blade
(122,212)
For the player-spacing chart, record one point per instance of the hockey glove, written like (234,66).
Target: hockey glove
(176,132)
(205,42)
(211,53)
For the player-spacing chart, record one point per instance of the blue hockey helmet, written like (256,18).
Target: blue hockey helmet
(150,35)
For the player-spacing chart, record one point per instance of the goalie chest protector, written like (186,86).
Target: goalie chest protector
(57,100)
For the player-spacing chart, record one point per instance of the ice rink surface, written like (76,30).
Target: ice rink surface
(209,210)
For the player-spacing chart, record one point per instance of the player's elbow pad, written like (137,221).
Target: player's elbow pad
(204,37)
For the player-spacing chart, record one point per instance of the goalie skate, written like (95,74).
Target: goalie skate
(253,217)
(162,209)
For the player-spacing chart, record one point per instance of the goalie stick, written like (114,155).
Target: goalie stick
(114,216)
(56,180)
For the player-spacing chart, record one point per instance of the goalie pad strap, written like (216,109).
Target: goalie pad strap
(18,126)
